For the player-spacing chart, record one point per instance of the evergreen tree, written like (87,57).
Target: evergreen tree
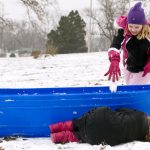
(69,37)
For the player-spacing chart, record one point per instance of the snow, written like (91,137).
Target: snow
(65,70)
(113,87)
(60,70)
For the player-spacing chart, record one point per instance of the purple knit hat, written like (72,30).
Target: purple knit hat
(136,14)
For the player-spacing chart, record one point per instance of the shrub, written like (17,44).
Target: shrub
(36,53)
(51,49)
(12,55)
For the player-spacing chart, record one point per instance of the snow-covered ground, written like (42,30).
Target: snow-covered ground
(59,71)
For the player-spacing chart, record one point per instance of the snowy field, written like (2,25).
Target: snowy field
(58,71)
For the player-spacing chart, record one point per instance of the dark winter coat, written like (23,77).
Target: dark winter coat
(138,51)
(103,125)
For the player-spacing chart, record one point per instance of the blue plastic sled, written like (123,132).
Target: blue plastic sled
(28,112)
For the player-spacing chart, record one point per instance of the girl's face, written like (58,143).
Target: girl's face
(135,29)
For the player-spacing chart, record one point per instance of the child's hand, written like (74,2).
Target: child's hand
(114,71)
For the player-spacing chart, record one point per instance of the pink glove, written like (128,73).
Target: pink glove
(146,69)
(114,70)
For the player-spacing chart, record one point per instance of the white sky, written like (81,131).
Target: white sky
(14,9)
(73,4)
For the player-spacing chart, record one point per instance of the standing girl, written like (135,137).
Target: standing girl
(134,39)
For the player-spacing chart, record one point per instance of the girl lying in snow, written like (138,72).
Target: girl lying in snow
(103,125)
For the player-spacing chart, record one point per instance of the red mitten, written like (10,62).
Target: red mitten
(114,69)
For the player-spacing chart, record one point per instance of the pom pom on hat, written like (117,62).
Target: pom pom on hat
(136,14)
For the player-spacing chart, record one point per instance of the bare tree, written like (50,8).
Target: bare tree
(146,4)
(38,6)
(105,15)
(4,24)
(24,36)
(103,21)
(30,33)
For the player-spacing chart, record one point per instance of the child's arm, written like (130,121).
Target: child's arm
(114,56)
(147,66)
